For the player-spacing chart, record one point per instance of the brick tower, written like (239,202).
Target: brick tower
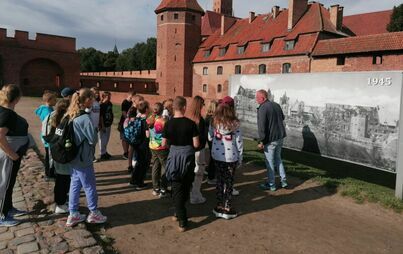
(223,7)
(178,39)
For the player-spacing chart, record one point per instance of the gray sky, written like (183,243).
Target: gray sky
(98,23)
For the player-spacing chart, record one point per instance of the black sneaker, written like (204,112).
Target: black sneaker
(130,169)
(104,157)
(229,214)
(108,156)
(125,156)
(140,187)
(218,212)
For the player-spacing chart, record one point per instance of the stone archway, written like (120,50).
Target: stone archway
(41,74)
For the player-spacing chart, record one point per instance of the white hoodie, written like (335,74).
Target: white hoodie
(227,144)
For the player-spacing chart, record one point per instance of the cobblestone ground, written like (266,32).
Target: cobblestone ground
(42,232)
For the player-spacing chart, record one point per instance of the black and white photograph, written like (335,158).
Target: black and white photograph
(349,116)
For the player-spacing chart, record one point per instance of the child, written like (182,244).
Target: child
(209,120)
(159,152)
(105,125)
(62,171)
(168,111)
(195,114)
(82,167)
(126,105)
(227,154)
(95,113)
(49,99)
(183,137)
(136,127)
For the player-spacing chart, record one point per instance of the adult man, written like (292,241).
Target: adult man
(271,130)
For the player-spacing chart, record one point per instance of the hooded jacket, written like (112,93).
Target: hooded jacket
(227,145)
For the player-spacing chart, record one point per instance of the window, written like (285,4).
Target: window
(193,17)
(265,47)
(223,51)
(238,69)
(341,60)
(241,50)
(219,70)
(115,85)
(286,68)
(131,85)
(205,71)
(207,53)
(98,84)
(219,88)
(377,60)
(176,15)
(262,69)
(204,88)
(162,17)
(289,45)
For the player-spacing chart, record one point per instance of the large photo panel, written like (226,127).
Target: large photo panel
(347,116)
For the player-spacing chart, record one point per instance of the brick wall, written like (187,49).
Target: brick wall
(119,84)
(390,62)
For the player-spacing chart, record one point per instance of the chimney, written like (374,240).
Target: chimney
(275,10)
(296,9)
(336,16)
(252,16)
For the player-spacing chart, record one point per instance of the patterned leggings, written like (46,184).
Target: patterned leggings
(225,182)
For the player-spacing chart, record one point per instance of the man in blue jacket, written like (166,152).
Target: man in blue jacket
(271,131)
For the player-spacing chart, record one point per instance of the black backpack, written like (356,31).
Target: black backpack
(63,147)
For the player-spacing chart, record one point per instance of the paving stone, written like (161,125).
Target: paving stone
(3,245)
(25,225)
(7,251)
(20,240)
(61,247)
(27,248)
(17,194)
(55,240)
(18,199)
(94,250)
(6,236)
(80,233)
(3,229)
(75,252)
(26,231)
(83,242)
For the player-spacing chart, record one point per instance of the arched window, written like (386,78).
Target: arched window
(205,70)
(286,68)
(219,70)
(98,84)
(238,69)
(377,59)
(219,88)
(204,88)
(115,85)
(262,69)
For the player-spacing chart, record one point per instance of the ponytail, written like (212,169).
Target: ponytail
(8,94)
(77,102)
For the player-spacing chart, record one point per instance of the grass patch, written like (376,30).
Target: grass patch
(361,184)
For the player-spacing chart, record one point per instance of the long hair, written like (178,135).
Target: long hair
(77,102)
(212,107)
(60,109)
(195,109)
(225,118)
(9,93)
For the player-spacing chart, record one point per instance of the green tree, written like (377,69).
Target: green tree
(110,61)
(91,59)
(396,20)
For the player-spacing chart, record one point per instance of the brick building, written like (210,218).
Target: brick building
(46,62)
(198,50)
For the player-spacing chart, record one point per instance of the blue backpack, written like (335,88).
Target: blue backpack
(133,132)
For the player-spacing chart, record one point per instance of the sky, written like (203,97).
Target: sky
(101,23)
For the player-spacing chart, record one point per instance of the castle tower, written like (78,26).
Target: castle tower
(223,7)
(178,39)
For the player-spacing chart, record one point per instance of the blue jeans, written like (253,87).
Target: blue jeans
(272,152)
(83,178)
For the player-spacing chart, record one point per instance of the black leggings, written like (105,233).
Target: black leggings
(8,201)
(180,194)
(62,187)
(49,169)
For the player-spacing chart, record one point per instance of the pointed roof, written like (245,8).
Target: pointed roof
(368,23)
(179,5)
(211,22)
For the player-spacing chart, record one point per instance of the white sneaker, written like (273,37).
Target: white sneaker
(74,219)
(96,218)
(197,201)
(62,209)
(235,192)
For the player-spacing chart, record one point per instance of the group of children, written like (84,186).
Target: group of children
(171,137)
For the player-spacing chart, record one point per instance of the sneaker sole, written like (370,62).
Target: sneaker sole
(217,214)
(10,225)
(228,217)
(96,222)
(74,223)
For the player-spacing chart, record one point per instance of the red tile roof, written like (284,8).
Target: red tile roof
(211,22)
(360,44)
(179,4)
(368,23)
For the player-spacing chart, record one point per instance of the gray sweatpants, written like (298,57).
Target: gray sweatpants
(104,136)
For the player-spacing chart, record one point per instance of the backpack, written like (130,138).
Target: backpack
(133,131)
(62,145)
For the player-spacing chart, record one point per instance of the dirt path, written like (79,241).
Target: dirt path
(306,219)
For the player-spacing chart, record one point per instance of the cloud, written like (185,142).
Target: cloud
(98,23)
